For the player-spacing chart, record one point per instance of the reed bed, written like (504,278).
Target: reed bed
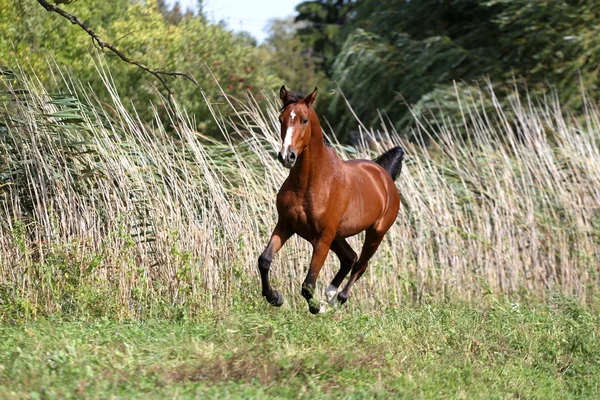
(104,214)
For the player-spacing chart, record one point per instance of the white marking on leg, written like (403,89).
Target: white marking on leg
(330,294)
(289,133)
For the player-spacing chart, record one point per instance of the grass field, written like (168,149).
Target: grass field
(500,350)
(128,257)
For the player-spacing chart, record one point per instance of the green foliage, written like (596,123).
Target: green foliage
(143,33)
(553,42)
(385,55)
(323,27)
(411,52)
(287,56)
(176,15)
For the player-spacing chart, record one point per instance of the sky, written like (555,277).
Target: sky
(247,15)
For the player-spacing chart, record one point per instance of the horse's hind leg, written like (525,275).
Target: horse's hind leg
(278,238)
(321,249)
(347,257)
(372,240)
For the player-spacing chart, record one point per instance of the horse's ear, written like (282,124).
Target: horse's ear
(310,99)
(283,95)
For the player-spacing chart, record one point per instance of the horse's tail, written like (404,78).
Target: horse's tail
(391,161)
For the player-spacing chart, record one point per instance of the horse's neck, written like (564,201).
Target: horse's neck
(315,161)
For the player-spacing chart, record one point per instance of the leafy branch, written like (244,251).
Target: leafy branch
(102,45)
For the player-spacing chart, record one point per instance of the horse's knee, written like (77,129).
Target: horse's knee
(264,263)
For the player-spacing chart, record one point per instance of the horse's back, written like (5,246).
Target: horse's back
(372,177)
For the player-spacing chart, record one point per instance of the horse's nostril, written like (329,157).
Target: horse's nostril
(292,156)
(280,157)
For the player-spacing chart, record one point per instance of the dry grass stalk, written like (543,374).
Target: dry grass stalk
(92,197)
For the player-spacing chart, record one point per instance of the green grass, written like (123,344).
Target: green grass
(452,350)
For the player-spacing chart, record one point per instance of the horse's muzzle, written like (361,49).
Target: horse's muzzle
(289,160)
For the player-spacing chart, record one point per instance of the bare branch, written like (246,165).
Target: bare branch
(160,75)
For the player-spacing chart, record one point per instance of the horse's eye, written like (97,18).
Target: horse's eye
(305,121)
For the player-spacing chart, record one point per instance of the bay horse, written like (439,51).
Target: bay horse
(325,200)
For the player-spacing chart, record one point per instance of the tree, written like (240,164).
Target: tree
(140,32)
(412,51)
(322,29)
(287,56)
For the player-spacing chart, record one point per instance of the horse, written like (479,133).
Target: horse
(324,200)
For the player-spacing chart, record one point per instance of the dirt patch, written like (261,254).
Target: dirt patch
(238,367)
(247,366)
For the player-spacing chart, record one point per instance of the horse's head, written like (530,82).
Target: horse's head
(295,126)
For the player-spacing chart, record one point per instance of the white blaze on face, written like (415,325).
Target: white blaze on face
(289,133)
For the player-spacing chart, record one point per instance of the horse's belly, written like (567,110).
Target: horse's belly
(353,226)
(347,231)
(361,213)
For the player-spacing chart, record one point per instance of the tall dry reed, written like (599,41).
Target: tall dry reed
(102,213)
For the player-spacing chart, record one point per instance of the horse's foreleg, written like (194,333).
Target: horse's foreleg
(372,242)
(278,238)
(347,257)
(321,249)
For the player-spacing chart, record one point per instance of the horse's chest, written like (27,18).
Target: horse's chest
(299,214)
(294,211)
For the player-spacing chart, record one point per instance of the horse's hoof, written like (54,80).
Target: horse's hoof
(342,297)
(278,299)
(314,306)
